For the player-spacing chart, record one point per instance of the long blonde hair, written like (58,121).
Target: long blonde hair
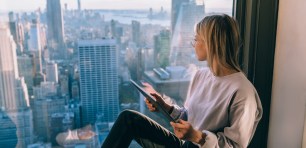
(221,35)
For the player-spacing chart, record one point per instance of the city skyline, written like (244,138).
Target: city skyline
(30,5)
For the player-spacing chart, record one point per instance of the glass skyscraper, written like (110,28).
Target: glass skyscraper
(182,53)
(98,64)
(55,28)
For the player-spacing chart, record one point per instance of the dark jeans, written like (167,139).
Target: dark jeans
(148,133)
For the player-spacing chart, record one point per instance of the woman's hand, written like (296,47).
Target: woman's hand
(148,88)
(185,131)
(157,96)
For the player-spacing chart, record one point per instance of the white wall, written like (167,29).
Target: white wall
(289,81)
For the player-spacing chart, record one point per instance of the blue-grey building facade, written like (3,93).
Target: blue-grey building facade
(98,66)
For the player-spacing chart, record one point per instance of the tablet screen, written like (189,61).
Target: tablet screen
(153,101)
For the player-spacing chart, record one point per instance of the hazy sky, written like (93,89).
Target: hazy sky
(29,5)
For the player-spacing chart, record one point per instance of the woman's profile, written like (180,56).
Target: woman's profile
(222,107)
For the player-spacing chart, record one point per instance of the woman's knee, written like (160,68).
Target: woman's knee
(128,114)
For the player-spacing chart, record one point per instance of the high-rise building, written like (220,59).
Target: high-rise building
(98,61)
(16,27)
(64,83)
(17,31)
(74,106)
(34,44)
(9,77)
(26,70)
(44,89)
(43,37)
(75,92)
(16,128)
(52,72)
(113,28)
(162,48)
(55,29)
(136,32)
(182,52)
(145,61)
(22,95)
(43,108)
(14,100)
(24,124)
(175,8)
(8,137)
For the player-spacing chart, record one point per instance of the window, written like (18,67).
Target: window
(67,64)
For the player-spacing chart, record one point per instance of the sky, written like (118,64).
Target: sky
(30,5)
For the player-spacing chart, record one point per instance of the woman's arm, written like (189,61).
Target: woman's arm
(244,115)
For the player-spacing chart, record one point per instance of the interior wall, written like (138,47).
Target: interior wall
(287,114)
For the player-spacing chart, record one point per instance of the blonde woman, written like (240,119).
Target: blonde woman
(222,107)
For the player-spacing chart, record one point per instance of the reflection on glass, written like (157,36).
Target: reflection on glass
(67,64)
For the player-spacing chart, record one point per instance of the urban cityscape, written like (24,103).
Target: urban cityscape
(65,71)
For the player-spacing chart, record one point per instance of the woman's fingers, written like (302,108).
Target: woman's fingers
(177,131)
(146,84)
(180,124)
(158,98)
(156,95)
(150,105)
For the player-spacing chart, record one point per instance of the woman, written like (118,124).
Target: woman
(222,106)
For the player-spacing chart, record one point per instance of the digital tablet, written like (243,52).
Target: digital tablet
(156,104)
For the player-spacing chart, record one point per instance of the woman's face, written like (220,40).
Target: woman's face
(200,48)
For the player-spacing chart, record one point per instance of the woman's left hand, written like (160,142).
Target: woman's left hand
(185,131)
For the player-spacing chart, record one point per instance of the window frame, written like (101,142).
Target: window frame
(258,23)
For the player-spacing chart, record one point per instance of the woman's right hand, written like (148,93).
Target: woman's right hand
(148,88)
(157,96)
(150,106)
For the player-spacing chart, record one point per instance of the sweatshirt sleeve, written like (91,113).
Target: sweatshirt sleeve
(179,113)
(244,115)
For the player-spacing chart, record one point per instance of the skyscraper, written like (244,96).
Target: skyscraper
(26,70)
(43,108)
(113,28)
(8,70)
(14,101)
(98,61)
(8,137)
(75,92)
(175,8)
(51,72)
(16,128)
(34,44)
(17,31)
(136,32)
(55,28)
(182,53)
(162,48)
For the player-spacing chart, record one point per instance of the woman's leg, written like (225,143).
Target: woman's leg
(134,125)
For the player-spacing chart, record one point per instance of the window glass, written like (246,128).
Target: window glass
(66,64)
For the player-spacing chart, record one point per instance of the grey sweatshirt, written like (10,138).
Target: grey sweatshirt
(226,108)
